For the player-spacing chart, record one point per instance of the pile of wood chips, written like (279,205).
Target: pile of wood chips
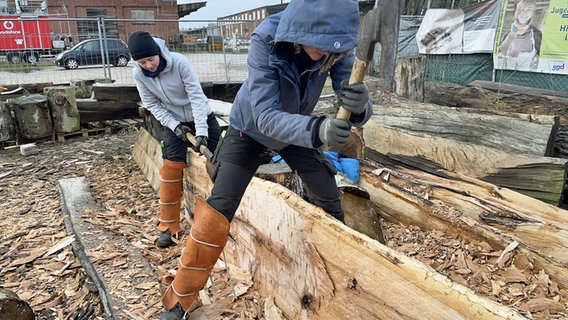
(38,264)
(506,276)
(36,258)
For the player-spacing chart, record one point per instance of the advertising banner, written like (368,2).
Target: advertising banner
(533,36)
(459,31)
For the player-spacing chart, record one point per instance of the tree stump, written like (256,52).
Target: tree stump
(7,128)
(409,78)
(13,308)
(33,118)
(63,108)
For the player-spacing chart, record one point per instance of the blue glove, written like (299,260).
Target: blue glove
(354,97)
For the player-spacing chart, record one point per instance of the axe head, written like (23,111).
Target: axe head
(381,25)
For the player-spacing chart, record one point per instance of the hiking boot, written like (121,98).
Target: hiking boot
(176,313)
(165,239)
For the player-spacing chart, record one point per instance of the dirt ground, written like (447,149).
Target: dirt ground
(38,264)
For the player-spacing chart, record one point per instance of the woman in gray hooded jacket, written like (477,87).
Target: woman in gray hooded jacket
(291,55)
(170,90)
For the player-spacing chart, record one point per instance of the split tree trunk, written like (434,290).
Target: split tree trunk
(432,141)
(482,212)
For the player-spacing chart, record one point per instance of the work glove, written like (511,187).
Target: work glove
(181,130)
(354,97)
(334,132)
(200,141)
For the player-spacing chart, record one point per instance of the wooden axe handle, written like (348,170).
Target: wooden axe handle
(203,149)
(357,75)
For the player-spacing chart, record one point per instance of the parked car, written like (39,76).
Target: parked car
(89,52)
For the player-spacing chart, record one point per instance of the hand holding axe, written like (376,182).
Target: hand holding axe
(204,151)
(381,24)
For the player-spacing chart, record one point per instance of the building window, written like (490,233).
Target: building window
(143,15)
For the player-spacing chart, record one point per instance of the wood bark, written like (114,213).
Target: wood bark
(540,177)
(298,254)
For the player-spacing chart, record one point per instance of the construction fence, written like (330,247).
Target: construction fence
(218,51)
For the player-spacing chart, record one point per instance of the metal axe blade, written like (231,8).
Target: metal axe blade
(379,25)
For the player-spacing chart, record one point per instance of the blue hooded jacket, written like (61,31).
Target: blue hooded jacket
(269,106)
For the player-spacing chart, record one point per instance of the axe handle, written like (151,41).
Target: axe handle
(203,149)
(357,75)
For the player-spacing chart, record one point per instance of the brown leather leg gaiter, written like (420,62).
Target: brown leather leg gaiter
(205,243)
(171,175)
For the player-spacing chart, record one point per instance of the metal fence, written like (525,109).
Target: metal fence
(216,51)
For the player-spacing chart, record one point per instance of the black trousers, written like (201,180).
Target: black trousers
(238,157)
(175,149)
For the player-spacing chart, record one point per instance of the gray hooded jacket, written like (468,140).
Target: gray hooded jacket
(269,106)
(175,95)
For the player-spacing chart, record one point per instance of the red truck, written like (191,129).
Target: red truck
(27,38)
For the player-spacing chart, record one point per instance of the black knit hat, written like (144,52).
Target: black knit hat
(142,45)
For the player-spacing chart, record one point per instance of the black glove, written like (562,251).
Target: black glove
(334,132)
(354,97)
(181,130)
(200,141)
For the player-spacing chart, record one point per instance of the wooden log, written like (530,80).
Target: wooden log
(358,209)
(540,177)
(510,132)
(64,111)
(409,78)
(455,95)
(471,209)
(33,117)
(13,308)
(298,254)
(91,110)
(115,92)
(7,123)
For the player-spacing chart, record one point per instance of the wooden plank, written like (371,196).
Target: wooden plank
(115,283)
(540,177)
(147,153)
(510,132)
(298,254)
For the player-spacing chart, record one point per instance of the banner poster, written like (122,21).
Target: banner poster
(459,31)
(532,36)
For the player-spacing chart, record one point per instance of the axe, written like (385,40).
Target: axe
(380,25)
(204,151)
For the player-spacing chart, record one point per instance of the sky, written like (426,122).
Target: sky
(220,8)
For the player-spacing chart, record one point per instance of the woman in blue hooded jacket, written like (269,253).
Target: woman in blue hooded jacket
(291,55)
